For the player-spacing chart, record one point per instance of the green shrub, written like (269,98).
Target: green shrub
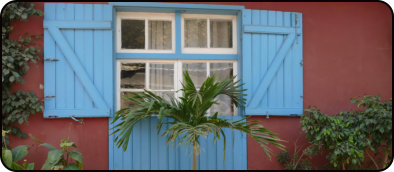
(348,135)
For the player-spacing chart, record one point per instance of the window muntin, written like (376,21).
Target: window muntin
(139,32)
(163,77)
(209,34)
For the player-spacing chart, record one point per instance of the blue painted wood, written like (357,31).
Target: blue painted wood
(179,6)
(176,56)
(50,53)
(76,79)
(78,24)
(178,33)
(268,29)
(270,62)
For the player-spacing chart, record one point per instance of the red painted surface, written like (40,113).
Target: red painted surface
(91,136)
(347,49)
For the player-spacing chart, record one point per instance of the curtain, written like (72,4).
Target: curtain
(221,34)
(195,33)
(160,35)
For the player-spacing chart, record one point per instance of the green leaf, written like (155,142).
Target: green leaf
(50,147)
(57,167)
(6,156)
(54,157)
(19,152)
(12,79)
(16,166)
(72,167)
(77,156)
(30,166)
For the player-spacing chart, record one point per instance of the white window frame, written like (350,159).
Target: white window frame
(146,17)
(178,75)
(209,50)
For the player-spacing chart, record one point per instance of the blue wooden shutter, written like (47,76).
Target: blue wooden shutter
(78,63)
(272,62)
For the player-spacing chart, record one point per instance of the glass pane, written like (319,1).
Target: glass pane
(132,75)
(124,102)
(197,71)
(165,94)
(133,34)
(161,76)
(160,35)
(195,33)
(221,33)
(221,70)
(225,106)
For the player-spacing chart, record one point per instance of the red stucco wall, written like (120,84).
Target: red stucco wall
(91,136)
(347,51)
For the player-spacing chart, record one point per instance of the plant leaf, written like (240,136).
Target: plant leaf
(19,152)
(6,156)
(77,156)
(72,167)
(54,157)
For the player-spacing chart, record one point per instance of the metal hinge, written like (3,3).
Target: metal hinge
(302,63)
(293,115)
(52,116)
(48,59)
(49,97)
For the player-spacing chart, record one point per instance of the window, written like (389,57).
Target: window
(209,34)
(145,32)
(164,77)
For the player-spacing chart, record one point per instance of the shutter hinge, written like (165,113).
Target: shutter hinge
(302,63)
(293,115)
(48,59)
(52,116)
(49,97)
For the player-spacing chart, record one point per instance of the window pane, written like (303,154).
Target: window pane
(161,76)
(221,70)
(225,106)
(195,33)
(160,35)
(132,75)
(124,102)
(221,33)
(197,71)
(165,94)
(133,34)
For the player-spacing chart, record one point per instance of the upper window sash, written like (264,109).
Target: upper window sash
(209,50)
(146,17)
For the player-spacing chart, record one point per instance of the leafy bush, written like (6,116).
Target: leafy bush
(58,159)
(348,136)
(297,160)
(16,56)
(12,157)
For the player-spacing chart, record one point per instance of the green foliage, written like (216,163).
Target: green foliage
(297,160)
(187,115)
(16,56)
(59,159)
(348,135)
(12,157)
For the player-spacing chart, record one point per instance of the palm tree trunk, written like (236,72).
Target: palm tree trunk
(194,156)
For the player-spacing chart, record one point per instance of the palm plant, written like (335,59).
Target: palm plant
(188,116)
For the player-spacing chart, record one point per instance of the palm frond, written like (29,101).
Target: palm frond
(186,116)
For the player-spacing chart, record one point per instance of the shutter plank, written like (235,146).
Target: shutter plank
(69,35)
(247,55)
(79,49)
(61,66)
(88,53)
(49,66)
(277,83)
(264,53)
